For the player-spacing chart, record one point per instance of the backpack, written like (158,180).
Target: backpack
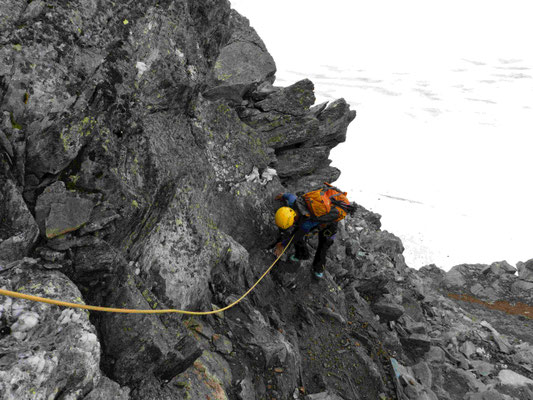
(328,199)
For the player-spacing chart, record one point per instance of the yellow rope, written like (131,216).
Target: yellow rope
(132,311)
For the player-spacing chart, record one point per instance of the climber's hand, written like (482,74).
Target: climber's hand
(279,196)
(278,249)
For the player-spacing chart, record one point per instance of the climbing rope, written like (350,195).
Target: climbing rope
(133,311)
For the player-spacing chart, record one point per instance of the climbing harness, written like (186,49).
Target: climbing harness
(133,311)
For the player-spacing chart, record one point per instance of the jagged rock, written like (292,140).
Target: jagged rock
(6,144)
(455,277)
(388,311)
(482,368)
(58,212)
(301,162)
(329,313)
(162,348)
(502,343)
(222,344)
(414,327)
(242,63)
(65,242)
(50,255)
(208,378)
(45,349)
(275,348)
(18,229)
(416,344)
(100,217)
(373,286)
(525,270)
(294,100)
(502,267)
(382,241)
(246,391)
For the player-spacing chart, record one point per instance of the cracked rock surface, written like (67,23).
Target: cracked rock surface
(142,146)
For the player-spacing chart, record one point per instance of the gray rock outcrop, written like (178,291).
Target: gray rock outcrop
(142,146)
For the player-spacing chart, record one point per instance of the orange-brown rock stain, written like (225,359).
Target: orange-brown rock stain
(510,308)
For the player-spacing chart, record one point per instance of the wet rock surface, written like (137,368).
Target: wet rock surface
(141,149)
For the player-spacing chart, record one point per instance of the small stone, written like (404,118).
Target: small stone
(468,348)
(483,368)
(219,315)
(222,344)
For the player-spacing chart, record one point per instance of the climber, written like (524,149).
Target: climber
(319,210)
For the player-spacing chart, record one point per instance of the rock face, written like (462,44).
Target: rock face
(18,229)
(46,350)
(141,149)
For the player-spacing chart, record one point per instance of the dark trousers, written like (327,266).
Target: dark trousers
(326,237)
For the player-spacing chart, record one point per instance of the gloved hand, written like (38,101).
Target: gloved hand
(278,249)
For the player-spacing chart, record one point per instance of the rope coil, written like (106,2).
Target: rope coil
(134,311)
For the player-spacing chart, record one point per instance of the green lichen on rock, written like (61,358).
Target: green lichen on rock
(14,123)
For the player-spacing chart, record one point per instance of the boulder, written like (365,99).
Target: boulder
(300,162)
(45,349)
(525,270)
(502,267)
(455,277)
(456,381)
(242,63)
(484,293)
(509,377)
(144,346)
(423,373)
(383,242)
(416,345)
(58,211)
(522,287)
(294,100)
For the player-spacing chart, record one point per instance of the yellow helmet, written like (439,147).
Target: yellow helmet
(285,217)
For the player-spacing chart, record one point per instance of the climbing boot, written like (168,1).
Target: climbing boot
(317,276)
